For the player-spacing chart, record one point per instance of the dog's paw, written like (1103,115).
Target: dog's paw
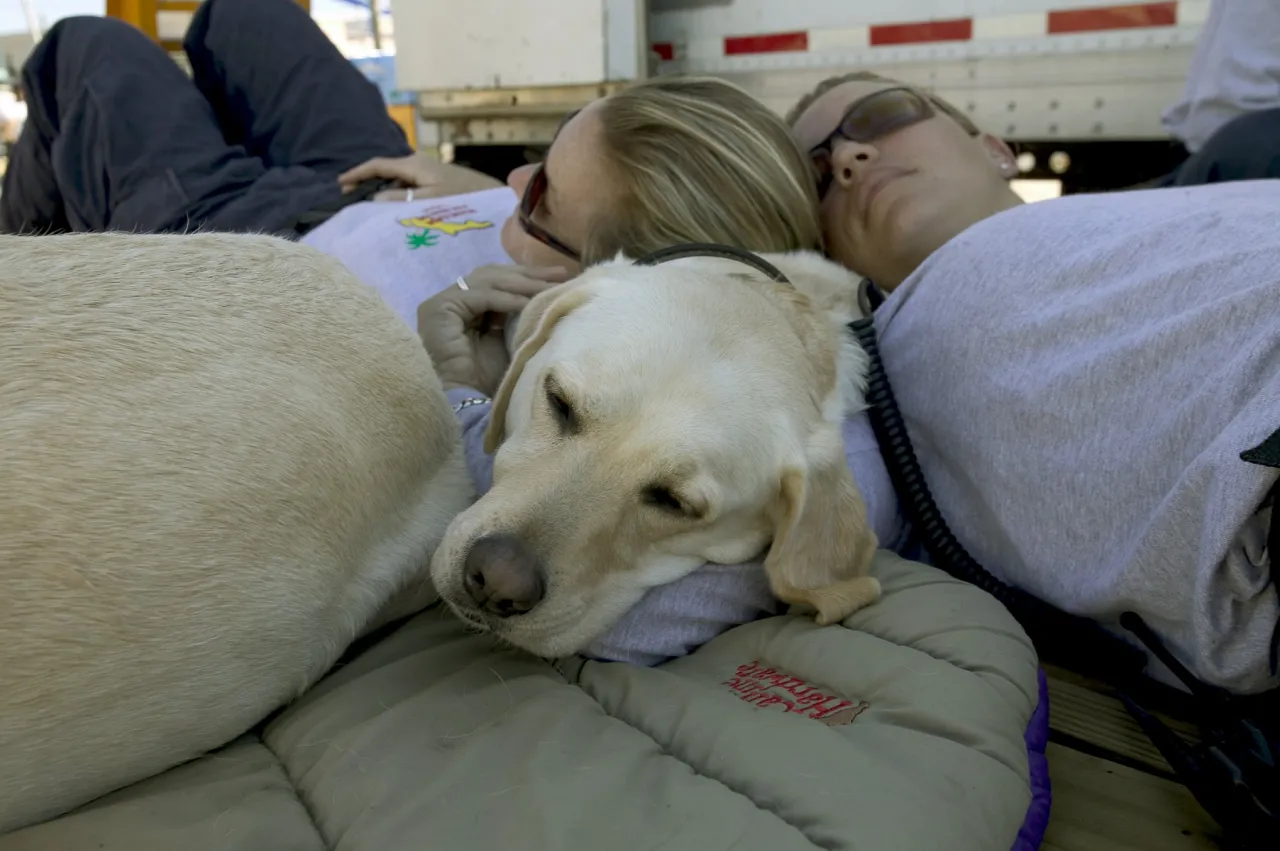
(837,602)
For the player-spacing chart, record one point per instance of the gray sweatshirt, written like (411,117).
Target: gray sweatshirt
(1080,377)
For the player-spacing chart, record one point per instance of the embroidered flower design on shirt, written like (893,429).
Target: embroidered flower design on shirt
(422,239)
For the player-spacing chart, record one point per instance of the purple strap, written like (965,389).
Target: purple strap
(1037,821)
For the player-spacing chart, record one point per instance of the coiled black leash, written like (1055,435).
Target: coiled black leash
(1055,633)
(1233,772)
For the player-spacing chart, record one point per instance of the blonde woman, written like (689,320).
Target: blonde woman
(665,161)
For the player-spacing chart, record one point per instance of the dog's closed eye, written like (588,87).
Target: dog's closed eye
(561,409)
(665,499)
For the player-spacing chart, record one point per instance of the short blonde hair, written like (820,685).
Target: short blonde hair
(793,114)
(698,159)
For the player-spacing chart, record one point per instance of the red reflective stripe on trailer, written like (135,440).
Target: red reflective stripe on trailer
(666,51)
(1113,18)
(740,45)
(959,29)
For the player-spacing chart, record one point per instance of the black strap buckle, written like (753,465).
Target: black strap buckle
(1267,454)
(1235,771)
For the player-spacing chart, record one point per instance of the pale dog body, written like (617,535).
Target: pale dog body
(221,457)
(703,377)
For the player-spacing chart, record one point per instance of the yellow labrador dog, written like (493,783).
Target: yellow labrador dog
(222,458)
(656,418)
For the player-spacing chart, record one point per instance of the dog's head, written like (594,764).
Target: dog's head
(653,419)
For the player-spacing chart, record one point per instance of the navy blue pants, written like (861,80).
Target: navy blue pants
(1245,148)
(119,138)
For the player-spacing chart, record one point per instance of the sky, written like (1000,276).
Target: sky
(12,18)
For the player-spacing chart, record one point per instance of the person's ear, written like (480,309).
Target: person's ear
(1000,154)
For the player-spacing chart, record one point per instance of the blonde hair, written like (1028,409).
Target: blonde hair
(699,160)
(830,83)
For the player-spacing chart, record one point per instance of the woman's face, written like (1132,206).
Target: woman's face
(895,199)
(578,189)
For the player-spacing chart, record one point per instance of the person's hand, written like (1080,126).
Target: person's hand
(429,178)
(462,330)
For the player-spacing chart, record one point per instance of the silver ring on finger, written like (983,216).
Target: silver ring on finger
(461,283)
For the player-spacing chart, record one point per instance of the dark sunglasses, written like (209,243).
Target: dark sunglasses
(534,192)
(868,119)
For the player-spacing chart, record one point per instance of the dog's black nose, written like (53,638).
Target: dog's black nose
(502,576)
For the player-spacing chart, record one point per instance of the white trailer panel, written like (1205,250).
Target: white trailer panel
(501,71)
(495,44)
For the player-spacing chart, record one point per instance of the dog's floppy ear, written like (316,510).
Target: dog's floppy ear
(537,323)
(531,317)
(822,543)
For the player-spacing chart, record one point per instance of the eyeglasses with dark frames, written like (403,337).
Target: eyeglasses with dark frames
(867,120)
(534,192)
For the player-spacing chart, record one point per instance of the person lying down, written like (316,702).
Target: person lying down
(664,460)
